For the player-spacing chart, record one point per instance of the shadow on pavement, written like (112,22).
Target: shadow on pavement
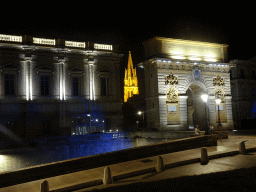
(237,180)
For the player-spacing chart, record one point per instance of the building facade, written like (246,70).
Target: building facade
(243,87)
(57,87)
(177,72)
(130,80)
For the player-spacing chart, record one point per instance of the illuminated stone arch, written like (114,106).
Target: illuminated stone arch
(196,83)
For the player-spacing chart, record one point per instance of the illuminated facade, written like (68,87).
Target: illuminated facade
(177,72)
(56,87)
(130,80)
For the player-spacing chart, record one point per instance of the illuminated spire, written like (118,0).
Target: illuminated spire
(130,80)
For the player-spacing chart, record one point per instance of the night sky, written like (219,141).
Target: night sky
(128,25)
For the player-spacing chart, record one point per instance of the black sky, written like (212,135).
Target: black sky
(128,25)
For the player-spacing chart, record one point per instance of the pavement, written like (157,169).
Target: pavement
(182,169)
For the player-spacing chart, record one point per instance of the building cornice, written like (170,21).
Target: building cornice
(190,42)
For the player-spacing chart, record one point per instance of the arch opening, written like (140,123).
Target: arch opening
(196,106)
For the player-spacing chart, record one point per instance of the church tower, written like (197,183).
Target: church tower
(130,80)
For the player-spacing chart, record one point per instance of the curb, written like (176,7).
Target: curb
(146,171)
(78,186)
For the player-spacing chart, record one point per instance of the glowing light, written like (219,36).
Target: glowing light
(217,101)
(27,88)
(62,82)
(43,41)
(130,80)
(10,38)
(178,57)
(195,58)
(30,86)
(1,158)
(75,44)
(28,80)
(204,97)
(92,85)
(210,59)
(103,46)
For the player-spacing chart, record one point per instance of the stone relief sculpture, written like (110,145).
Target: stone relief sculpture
(172,95)
(170,79)
(219,93)
(218,81)
(196,73)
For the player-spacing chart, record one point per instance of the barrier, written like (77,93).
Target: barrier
(160,167)
(44,187)
(160,164)
(100,160)
(204,156)
(107,178)
(242,148)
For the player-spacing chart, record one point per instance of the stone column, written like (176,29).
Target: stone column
(212,110)
(61,71)
(91,80)
(183,112)
(62,94)
(28,77)
(229,115)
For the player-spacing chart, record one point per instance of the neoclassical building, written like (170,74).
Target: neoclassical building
(177,72)
(58,87)
(243,87)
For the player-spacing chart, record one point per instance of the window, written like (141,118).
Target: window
(44,85)
(9,84)
(104,86)
(75,86)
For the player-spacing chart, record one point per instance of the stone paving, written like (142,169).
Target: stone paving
(188,168)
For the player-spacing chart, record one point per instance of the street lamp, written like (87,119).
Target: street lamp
(89,115)
(139,113)
(218,100)
(205,99)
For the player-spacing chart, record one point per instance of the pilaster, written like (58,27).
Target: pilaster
(61,74)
